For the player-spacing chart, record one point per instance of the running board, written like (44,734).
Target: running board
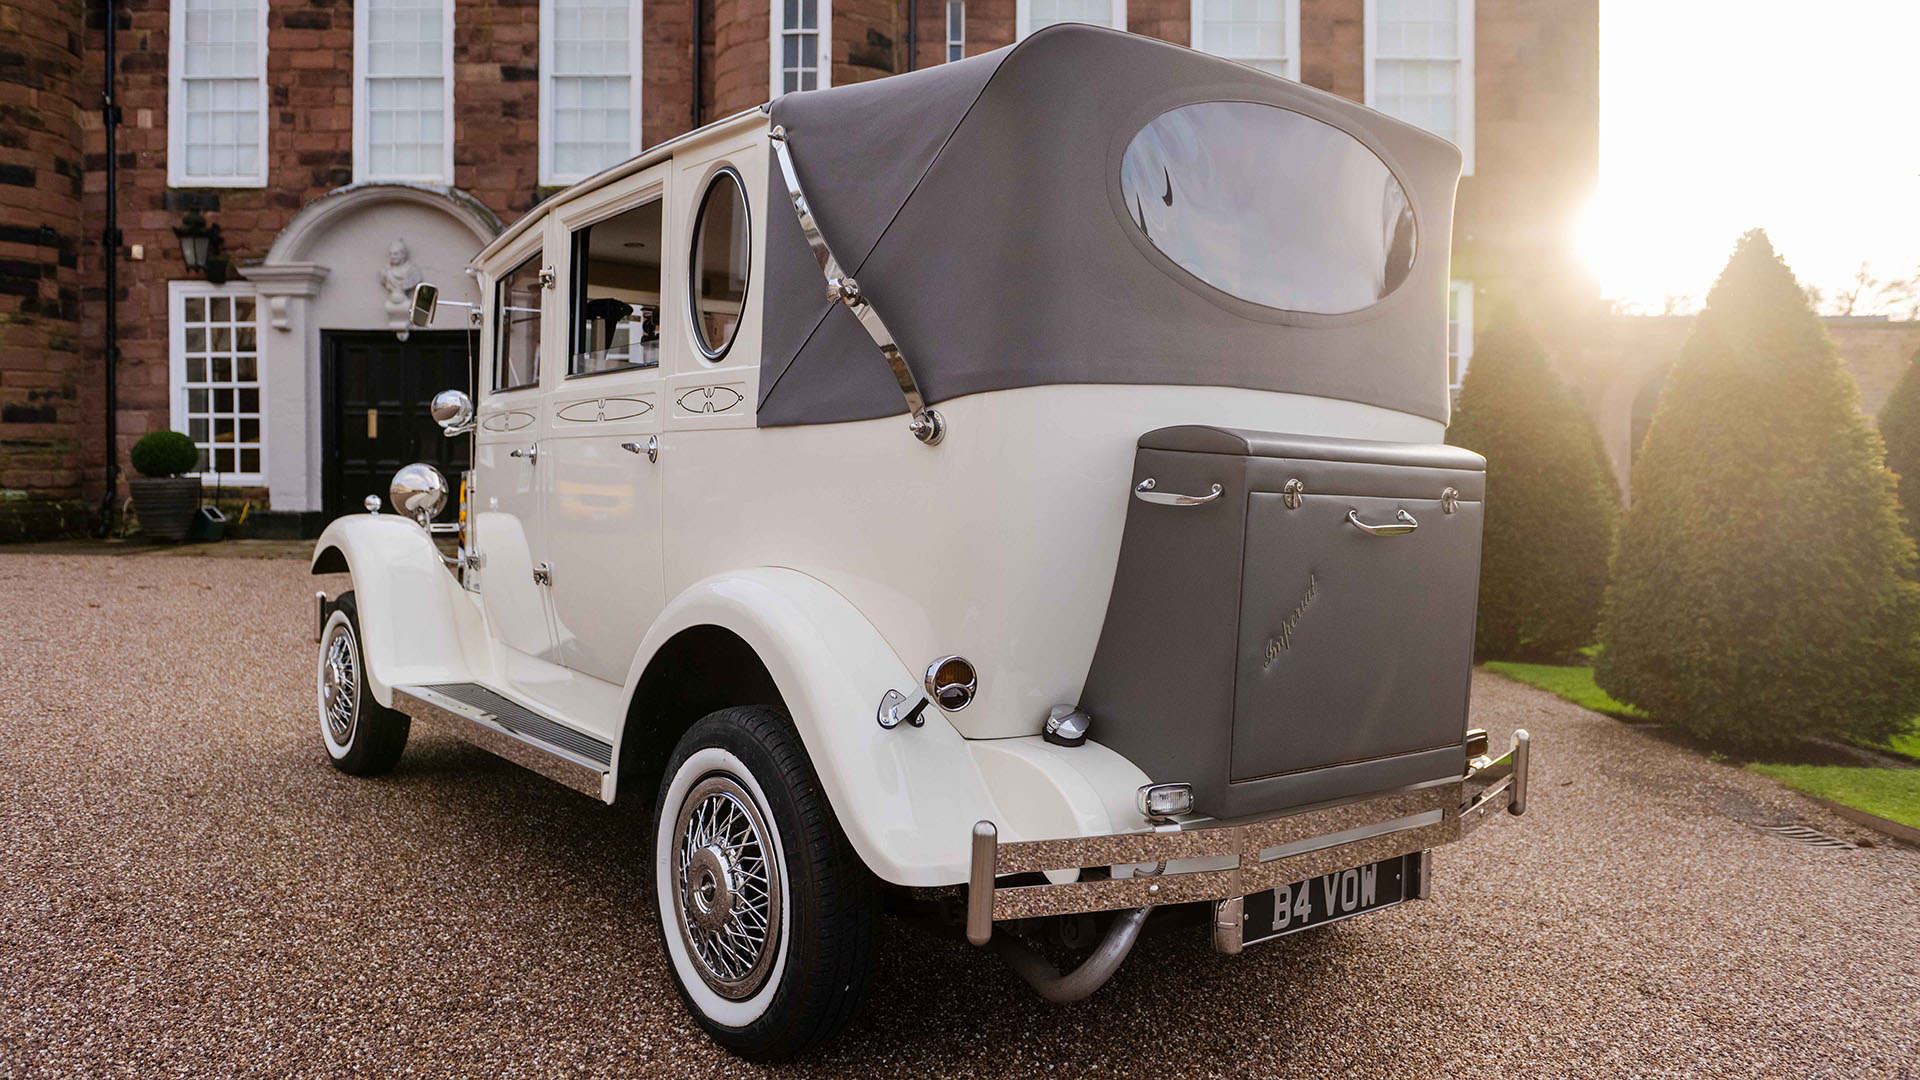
(511,730)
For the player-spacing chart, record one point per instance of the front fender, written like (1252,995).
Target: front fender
(906,798)
(417,625)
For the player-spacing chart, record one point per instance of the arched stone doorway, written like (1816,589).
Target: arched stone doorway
(336,274)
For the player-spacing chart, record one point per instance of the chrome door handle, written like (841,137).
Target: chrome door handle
(1145,493)
(1405,520)
(652,449)
(531,453)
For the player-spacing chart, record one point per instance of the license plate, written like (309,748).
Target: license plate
(1321,900)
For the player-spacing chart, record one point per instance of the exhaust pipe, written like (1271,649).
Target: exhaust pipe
(1092,974)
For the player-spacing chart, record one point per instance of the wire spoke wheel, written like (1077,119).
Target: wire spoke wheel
(340,683)
(727,886)
(362,736)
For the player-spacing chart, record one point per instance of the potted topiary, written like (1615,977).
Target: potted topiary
(165,500)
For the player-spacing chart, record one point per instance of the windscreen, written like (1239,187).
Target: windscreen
(1270,206)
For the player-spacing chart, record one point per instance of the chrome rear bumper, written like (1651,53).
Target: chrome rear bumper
(1252,855)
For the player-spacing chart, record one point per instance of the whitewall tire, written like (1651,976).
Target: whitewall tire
(765,914)
(362,736)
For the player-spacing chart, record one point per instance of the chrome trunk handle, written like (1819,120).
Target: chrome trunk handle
(1405,525)
(1145,493)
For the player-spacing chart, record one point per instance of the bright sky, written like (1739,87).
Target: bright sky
(1720,115)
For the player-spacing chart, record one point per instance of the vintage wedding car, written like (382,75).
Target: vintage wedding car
(1012,489)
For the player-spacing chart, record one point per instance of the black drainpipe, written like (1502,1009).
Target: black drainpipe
(699,46)
(110,249)
(913,32)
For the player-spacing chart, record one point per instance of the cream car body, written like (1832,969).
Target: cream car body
(848,532)
(632,531)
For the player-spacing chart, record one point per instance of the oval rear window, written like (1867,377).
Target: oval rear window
(1270,206)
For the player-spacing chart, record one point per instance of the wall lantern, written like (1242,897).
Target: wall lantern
(200,247)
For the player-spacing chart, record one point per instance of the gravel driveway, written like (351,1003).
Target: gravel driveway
(188,889)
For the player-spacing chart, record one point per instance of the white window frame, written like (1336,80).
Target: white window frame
(956,35)
(1290,15)
(1023,17)
(1463,101)
(177,294)
(177,106)
(775,70)
(635,12)
(362,101)
(1460,321)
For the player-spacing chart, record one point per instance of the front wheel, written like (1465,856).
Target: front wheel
(362,736)
(766,915)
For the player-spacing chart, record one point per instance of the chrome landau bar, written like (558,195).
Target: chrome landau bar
(1264,853)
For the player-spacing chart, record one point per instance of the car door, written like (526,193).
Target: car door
(506,517)
(601,463)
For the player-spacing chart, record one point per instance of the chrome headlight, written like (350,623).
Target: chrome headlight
(418,491)
(452,410)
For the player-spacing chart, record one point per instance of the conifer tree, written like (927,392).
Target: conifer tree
(1758,592)
(1900,430)
(1551,502)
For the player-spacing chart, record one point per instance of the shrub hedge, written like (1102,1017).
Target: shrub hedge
(1758,591)
(1900,429)
(1552,502)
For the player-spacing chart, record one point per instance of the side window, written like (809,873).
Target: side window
(616,293)
(516,313)
(720,251)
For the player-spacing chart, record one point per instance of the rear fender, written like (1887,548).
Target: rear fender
(907,798)
(417,625)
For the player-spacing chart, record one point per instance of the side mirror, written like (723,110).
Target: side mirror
(453,411)
(426,299)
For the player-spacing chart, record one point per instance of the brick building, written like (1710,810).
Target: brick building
(1623,366)
(344,148)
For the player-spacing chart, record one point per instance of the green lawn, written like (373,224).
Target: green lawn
(1572,683)
(1890,793)
(1908,744)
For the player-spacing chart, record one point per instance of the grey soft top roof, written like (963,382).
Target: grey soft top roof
(978,203)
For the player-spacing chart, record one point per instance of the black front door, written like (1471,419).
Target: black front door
(375,394)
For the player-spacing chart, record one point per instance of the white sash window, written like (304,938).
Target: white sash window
(589,86)
(1259,33)
(1459,331)
(216,378)
(956,30)
(1032,15)
(802,45)
(217,99)
(403,93)
(1420,66)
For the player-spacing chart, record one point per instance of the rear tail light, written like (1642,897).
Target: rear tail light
(951,682)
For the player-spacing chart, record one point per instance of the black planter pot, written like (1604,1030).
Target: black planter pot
(166,504)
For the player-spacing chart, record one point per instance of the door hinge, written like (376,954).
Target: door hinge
(542,574)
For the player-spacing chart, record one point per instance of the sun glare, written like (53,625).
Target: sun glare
(1596,236)
(1703,136)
